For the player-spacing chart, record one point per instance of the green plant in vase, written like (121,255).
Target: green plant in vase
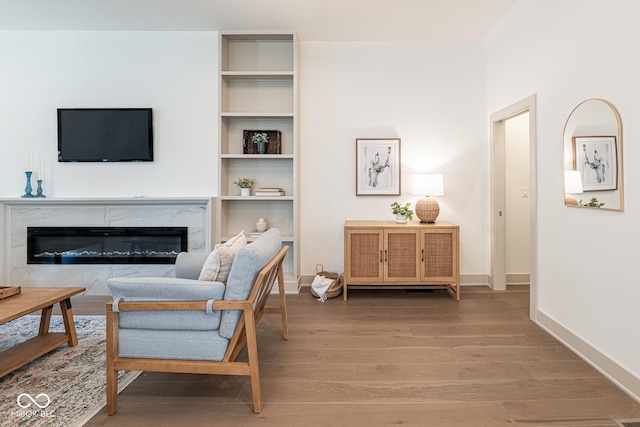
(402,212)
(261,139)
(245,185)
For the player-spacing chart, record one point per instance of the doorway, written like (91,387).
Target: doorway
(505,195)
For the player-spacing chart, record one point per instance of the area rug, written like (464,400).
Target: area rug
(65,387)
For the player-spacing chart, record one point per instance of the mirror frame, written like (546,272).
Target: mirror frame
(620,180)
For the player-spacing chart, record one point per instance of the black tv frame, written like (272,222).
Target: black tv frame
(100,159)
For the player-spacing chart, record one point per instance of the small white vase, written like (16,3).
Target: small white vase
(261,225)
(245,191)
(401,219)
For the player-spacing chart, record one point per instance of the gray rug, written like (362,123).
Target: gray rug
(65,387)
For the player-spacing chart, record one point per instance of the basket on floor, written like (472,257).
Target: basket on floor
(335,288)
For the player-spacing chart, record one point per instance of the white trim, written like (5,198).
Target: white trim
(497,226)
(107,201)
(611,369)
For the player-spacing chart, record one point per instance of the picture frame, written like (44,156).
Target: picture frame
(597,160)
(378,167)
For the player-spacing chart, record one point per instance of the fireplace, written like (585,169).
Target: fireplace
(105,245)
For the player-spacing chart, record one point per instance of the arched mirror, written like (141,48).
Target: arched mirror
(593,156)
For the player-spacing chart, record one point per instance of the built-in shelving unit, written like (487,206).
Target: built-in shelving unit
(259,91)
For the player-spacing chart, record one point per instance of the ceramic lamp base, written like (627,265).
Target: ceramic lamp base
(427,209)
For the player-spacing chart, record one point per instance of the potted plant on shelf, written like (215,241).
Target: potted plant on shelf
(245,185)
(261,139)
(402,212)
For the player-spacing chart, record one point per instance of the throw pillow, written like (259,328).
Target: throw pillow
(218,264)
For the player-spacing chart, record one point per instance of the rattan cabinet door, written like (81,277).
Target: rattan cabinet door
(364,256)
(402,256)
(440,256)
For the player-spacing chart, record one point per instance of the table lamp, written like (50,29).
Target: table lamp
(572,185)
(428,185)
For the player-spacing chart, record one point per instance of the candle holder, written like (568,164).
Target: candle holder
(28,189)
(39,190)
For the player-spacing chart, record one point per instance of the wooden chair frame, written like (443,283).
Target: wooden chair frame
(245,333)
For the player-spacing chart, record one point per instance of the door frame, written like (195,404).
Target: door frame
(498,200)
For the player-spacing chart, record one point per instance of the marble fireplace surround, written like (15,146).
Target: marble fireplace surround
(18,214)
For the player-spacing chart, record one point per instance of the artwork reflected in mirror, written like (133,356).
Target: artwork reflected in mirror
(593,156)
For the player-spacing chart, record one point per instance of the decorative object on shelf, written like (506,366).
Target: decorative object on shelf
(427,185)
(595,157)
(28,189)
(262,225)
(39,190)
(269,192)
(261,139)
(593,203)
(572,185)
(271,141)
(402,213)
(9,291)
(245,185)
(378,167)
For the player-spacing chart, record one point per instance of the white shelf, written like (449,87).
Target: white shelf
(111,201)
(258,91)
(257,75)
(257,198)
(257,156)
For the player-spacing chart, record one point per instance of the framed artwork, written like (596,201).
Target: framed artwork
(378,167)
(596,159)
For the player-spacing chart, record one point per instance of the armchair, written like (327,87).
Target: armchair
(193,326)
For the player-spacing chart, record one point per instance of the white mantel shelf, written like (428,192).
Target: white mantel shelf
(37,201)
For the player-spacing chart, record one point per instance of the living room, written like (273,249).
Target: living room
(436,92)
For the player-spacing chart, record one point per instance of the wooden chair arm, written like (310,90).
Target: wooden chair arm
(180,305)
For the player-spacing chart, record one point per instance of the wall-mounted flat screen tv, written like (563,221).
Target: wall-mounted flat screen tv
(105,135)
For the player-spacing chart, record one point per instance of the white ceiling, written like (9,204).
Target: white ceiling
(453,21)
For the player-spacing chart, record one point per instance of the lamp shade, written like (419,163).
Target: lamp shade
(428,184)
(572,182)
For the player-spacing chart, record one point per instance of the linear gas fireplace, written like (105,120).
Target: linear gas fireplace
(105,245)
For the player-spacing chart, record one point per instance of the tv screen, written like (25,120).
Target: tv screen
(105,135)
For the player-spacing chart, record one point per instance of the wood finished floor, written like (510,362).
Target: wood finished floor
(389,358)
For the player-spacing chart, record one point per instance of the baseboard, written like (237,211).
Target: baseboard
(512,279)
(518,278)
(624,379)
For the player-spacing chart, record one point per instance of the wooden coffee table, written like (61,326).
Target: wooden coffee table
(28,301)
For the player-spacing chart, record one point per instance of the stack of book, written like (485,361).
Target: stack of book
(269,192)
(255,234)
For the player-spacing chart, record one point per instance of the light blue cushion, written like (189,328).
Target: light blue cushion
(189,264)
(161,344)
(244,271)
(167,289)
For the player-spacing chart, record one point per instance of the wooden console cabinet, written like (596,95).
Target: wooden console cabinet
(387,255)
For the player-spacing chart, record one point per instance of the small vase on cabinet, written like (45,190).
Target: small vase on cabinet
(245,191)
(401,219)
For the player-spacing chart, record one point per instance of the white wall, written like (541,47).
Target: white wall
(432,97)
(566,51)
(172,72)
